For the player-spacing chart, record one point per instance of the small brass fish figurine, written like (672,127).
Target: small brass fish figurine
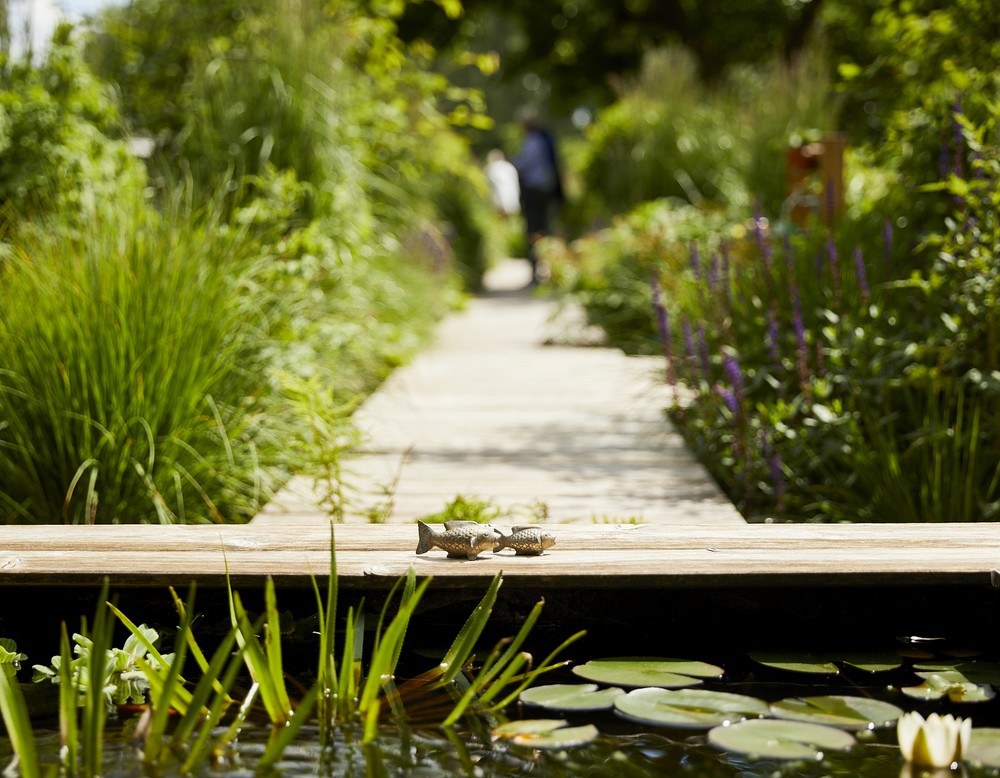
(460,539)
(526,541)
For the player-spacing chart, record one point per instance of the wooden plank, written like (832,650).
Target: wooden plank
(598,556)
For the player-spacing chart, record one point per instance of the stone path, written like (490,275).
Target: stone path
(504,409)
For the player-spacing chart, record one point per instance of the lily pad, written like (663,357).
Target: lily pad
(770,739)
(688,708)
(571,696)
(872,663)
(664,673)
(984,747)
(838,711)
(974,672)
(951,683)
(546,733)
(797,663)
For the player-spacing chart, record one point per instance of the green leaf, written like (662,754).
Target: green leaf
(984,747)
(545,733)
(838,711)
(691,708)
(571,696)
(769,739)
(952,683)
(665,673)
(872,663)
(797,663)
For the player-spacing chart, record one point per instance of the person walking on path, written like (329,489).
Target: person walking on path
(538,170)
(505,191)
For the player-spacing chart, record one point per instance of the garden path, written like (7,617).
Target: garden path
(516,404)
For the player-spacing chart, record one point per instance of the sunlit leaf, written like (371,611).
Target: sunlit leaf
(984,747)
(769,739)
(951,683)
(546,733)
(573,696)
(838,711)
(872,663)
(796,663)
(690,708)
(665,673)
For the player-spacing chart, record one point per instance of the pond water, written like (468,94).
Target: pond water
(762,653)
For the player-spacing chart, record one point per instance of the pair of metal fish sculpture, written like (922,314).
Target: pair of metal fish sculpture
(468,539)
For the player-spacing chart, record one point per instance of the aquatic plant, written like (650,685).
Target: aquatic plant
(937,741)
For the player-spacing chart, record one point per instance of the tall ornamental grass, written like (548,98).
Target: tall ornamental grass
(131,377)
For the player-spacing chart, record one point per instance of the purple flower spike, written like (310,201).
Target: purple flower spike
(728,398)
(731,369)
(695,261)
(958,139)
(859,270)
(713,271)
(887,240)
(689,349)
(831,255)
(703,351)
(664,327)
(725,271)
(772,339)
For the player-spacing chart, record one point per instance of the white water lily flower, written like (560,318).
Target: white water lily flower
(940,741)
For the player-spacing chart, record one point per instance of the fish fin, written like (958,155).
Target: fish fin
(524,527)
(456,523)
(472,552)
(425,535)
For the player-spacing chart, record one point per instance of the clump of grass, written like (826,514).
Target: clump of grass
(132,376)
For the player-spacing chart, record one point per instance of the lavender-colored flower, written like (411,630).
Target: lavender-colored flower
(731,369)
(831,256)
(725,272)
(728,398)
(798,326)
(958,139)
(703,352)
(773,458)
(859,271)
(695,261)
(664,327)
(789,254)
(713,271)
(887,240)
(773,332)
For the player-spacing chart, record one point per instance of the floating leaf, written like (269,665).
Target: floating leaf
(665,673)
(838,711)
(693,708)
(571,696)
(974,672)
(872,663)
(984,747)
(797,663)
(510,729)
(952,683)
(769,739)
(546,733)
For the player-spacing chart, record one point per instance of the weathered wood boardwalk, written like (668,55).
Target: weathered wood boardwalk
(496,411)
(618,557)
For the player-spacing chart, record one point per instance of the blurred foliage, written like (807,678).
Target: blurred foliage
(54,121)
(210,326)
(671,135)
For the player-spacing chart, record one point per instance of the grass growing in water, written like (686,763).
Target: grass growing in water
(353,695)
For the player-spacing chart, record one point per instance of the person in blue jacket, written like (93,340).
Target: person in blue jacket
(540,178)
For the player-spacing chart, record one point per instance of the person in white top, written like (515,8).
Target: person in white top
(505,190)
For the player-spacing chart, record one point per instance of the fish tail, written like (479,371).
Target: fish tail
(500,541)
(425,537)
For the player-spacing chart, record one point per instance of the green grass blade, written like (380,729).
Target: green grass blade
(69,696)
(272,645)
(14,711)
(464,645)
(257,664)
(276,747)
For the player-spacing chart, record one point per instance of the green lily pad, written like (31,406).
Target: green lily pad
(769,739)
(974,672)
(984,747)
(951,683)
(872,663)
(546,733)
(688,708)
(571,696)
(797,663)
(838,711)
(665,673)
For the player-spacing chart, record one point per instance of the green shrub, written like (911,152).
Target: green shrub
(134,384)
